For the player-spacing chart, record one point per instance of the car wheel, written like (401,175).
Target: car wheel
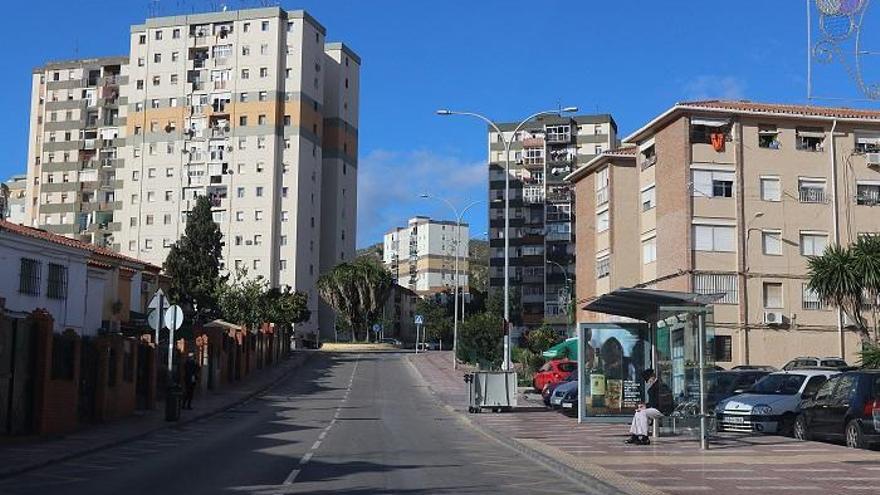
(854,437)
(800,431)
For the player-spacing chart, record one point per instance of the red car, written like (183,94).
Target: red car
(553,371)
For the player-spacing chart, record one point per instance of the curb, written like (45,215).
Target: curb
(168,425)
(590,484)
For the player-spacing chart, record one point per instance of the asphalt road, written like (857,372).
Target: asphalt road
(343,424)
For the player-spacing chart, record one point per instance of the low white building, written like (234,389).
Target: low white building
(42,271)
(421,256)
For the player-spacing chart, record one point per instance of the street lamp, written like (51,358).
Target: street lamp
(506,365)
(568,288)
(455,284)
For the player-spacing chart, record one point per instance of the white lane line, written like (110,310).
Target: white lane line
(291,477)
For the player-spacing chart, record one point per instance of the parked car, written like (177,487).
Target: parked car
(845,408)
(754,367)
(390,341)
(724,384)
(548,389)
(772,404)
(570,402)
(560,393)
(553,371)
(807,362)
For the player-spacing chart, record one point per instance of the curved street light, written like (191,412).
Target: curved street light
(506,365)
(455,284)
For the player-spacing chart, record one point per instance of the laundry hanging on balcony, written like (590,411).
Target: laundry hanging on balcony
(717,139)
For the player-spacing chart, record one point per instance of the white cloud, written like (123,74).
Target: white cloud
(390,182)
(708,87)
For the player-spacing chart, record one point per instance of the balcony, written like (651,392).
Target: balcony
(533,161)
(88,144)
(220,84)
(812,195)
(602,196)
(559,195)
(648,162)
(533,143)
(558,137)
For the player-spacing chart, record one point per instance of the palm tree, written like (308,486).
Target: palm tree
(357,291)
(849,278)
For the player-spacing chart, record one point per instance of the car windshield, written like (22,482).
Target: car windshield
(833,363)
(567,367)
(721,383)
(779,384)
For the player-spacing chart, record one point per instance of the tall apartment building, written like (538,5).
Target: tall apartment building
(421,256)
(77,134)
(251,108)
(731,197)
(15,207)
(542,253)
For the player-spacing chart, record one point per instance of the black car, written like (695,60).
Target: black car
(550,387)
(845,408)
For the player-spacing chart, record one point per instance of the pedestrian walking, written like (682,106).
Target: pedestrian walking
(646,411)
(191,372)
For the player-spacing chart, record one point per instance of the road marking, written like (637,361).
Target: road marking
(316,445)
(323,434)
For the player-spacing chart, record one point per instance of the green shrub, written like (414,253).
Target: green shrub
(870,356)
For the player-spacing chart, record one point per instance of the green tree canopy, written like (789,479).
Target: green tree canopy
(480,339)
(357,291)
(438,320)
(193,263)
(250,302)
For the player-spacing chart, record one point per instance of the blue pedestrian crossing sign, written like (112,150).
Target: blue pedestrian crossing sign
(420,320)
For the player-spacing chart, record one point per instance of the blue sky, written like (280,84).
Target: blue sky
(504,58)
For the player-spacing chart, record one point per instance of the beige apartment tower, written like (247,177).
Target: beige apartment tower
(421,256)
(75,148)
(253,109)
(732,197)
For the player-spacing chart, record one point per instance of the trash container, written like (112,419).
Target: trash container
(172,402)
(495,390)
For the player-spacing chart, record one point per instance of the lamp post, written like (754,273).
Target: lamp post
(568,287)
(506,365)
(455,284)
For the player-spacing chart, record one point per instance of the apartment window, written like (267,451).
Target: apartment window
(166,219)
(239,216)
(771,242)
(282,264)
(264,26)
(238,264)
(810,299)
(705,131)
(287,73)
(718,283)
(173,79)
(141,62)
(718,238)
(132,245)
(811,190)
(772,295)
(813,243)
(258,240)
(284,216)
(258,215)
(154,103)
(283,240)
(148,220)
(139,84)
(238,240)
(169,196)
(132,222)
(242,121)
(157,58)
(284,192)
(262,96)
(260,166)
(713,183)
(771,189)
(135,175)
(158,34)
(649,250)
(867,193)
(242,143)
(264,49)
(649,198)
(264,72)
(134,199)
(287,143)
(157,80)
(151,196)
(175,33)
(245,73)
(246,27)
(29,277)
(261,119)
(603,266)
(287,120)
(261,143)
(768,137)
(811,139)
(142,40)
(602,186)
(723,348)
(259,191)
(151,173)
(148,244)
(603,220)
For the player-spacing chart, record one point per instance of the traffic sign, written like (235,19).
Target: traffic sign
(159,298)
(420,320)
(377,328)
(173,317)
(153,320)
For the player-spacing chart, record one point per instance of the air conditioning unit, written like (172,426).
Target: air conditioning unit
(873,159)
(773,317)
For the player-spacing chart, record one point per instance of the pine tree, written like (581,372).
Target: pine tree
(193,263)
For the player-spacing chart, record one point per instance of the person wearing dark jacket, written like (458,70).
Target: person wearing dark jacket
(191,373)
(650,410)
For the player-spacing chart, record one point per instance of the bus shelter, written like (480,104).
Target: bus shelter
(670,332)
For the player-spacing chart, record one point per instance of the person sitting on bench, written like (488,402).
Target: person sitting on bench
(646,411)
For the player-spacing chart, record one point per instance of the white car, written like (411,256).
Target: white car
(772,404)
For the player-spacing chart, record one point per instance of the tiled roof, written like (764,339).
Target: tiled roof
(784,109)
(622,151)
(68,242)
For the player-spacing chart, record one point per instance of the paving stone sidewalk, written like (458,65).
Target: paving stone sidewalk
(24,454)
(734,464)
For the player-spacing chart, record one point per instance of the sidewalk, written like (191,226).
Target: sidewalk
(20,455)
(595,453)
